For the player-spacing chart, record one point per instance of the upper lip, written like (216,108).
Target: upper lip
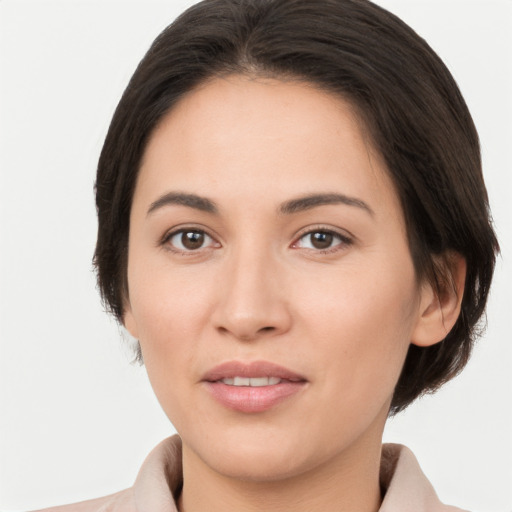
(253,369)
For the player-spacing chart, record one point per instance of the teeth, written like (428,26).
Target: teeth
(251,381)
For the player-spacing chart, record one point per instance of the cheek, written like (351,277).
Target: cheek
(362,324)
(170,315)
(170,310)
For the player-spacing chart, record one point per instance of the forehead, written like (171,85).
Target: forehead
(266,136)
(255,112)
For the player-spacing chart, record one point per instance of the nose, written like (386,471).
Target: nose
(252,299)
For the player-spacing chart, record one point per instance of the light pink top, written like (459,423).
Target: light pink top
(407,488)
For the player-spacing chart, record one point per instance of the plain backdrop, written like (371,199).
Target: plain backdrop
(76,419)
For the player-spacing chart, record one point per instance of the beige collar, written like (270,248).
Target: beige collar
(406,487)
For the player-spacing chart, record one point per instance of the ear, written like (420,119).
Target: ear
(440,308)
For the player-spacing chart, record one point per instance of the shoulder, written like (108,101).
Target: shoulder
(405,485)
(119,502)
(158,481)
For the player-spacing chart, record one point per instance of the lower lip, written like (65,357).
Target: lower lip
(250,399)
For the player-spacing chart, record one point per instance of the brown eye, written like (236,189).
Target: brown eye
(192,240)
(322,240)
(189,240)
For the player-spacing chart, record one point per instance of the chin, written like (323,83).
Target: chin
(260,465)
(254,454)
(262,453)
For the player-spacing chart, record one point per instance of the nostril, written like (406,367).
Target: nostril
(266,329)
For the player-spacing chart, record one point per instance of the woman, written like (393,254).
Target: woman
(293,224)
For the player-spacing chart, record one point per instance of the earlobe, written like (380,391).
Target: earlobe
(440,309)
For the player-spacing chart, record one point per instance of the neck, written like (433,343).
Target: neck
(347,482)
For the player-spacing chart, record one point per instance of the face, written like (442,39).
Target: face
(270,280)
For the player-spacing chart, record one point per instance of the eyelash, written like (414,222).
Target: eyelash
(343,240)
(166,241)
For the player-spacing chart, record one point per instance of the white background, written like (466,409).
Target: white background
(76,419)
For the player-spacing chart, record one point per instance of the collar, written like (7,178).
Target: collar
(405,485)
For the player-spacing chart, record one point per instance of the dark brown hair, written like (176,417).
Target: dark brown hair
(408,102)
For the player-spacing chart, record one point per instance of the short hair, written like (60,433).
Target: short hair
(407,102)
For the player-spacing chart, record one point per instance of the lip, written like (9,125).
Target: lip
(248,399)
(253,369)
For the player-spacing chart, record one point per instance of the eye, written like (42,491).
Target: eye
(188,240)
(322,240)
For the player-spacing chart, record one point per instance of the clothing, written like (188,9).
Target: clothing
(406,487)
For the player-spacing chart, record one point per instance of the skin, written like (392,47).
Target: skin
(259,289)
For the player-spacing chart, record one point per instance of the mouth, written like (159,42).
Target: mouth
(253,382)
(252,387)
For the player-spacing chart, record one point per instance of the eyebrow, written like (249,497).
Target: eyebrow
(191,200)
(289,207)
(312,201)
